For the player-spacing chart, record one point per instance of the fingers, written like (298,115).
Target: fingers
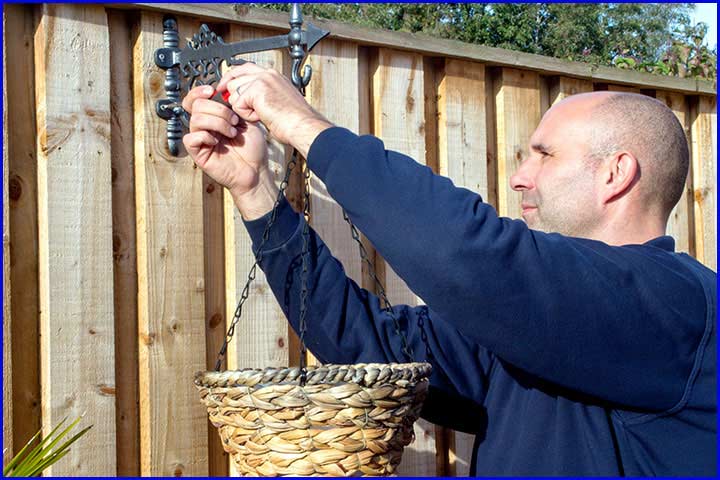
(241,99)
(195,141)
(246,68)
(212,123)
(203,106)
(200,92)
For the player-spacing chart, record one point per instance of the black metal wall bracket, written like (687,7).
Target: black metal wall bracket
(200,63)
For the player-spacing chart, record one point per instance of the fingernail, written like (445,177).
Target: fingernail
(233,131)
(235,120)
(207,90)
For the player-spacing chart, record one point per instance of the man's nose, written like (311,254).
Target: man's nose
(523,178)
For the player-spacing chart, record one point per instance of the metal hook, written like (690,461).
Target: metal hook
(297,52)
(298,81)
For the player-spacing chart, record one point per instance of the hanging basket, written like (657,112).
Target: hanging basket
(347,420)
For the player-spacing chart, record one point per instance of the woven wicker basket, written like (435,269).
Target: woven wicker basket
(348,420)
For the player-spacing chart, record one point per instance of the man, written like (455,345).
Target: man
(588,351)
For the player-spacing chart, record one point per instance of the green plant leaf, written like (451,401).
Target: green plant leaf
(45,453)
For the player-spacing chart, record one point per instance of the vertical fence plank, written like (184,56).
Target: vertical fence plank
(124,244)
(704,170)
(563,87)
(75,234)
(517,109)
(365,125)
(680,221)
(398,112)
(461,125)
(335,69)
(7,340)
(261,337)
(215,299)
(462,152)
(171,299)
(22,185)
(433,73)
(460,455)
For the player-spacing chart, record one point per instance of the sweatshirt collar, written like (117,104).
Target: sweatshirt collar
(665,242)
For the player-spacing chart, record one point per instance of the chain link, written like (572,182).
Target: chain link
(304,290)
(258,258)
(380,290)
(304,274)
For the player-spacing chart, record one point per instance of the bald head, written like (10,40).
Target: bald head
(649,130)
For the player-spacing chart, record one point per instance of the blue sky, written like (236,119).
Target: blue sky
(707,12)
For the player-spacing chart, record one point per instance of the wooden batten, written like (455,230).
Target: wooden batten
(704,171)
(124,244)
(7,324)
(680,225)
(75,231)
(20,25)
(171,284)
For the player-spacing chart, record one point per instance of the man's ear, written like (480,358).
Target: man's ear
(620,172)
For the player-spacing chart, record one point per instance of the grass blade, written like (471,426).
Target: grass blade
(20,454)
(42,456)
(45,464)
(40,446)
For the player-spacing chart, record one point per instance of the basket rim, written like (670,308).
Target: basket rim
(361,373)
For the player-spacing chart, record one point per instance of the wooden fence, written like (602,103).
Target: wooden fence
(122,264)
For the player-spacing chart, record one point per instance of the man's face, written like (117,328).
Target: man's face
(558,186)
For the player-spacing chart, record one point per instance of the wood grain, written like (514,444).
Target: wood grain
(22,185)
(7,324)
(261,336)
(427,44)
(171,284)
(461,126)
(75,231)
(517,110)
(398,117)
(563,87)
(462,153)
(623,88)
(335,69)
(704,171)
(680,225)
(124,245)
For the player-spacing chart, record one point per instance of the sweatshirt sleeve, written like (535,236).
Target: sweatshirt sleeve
(619,323)
(347,324)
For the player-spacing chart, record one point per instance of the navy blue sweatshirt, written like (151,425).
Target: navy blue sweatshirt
(564,356)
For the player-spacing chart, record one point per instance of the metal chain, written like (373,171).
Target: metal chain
(304,274)
(406,349)
(258,258)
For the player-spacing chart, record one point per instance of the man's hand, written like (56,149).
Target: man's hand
(260,94)
(231,151)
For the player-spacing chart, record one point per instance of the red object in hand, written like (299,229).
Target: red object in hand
(225,96)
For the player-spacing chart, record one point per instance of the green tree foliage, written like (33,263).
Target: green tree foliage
(652,37)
